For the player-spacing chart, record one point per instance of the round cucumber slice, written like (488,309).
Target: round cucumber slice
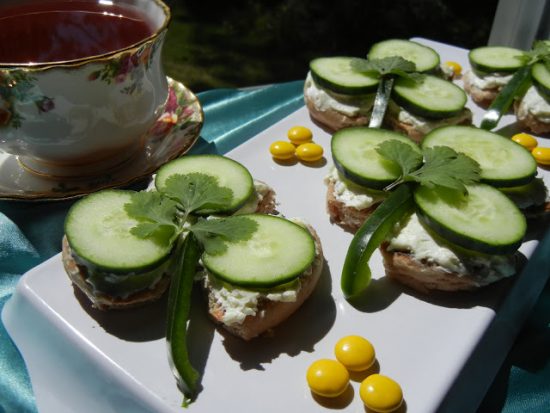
(491,59)
(229,173)
(541,79)
(425,58)
(503,162)
(485,220)
(431,97)
(98,231)
(336,74)
(278,252)
(355,156)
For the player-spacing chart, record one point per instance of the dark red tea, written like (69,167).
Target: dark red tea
(58,30)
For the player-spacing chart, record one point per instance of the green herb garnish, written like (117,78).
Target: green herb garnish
(540,52)
(393,65)
(443,166)
(167,217)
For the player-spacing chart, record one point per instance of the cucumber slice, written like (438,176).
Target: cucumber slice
(355,156)
(228,172)
(432,97)
(425,58)
(491,59)
(278,252)
(541,79)
(485,220)
(503,162)
(336,74)
(98,231)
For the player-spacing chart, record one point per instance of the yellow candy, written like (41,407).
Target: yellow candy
(282,150)
(381,394)
(525,140)
(309,152)
(355,353)
(542,155)
(327,378)
(457,69)
(299,135)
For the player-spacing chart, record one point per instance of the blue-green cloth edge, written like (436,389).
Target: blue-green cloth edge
(231,117)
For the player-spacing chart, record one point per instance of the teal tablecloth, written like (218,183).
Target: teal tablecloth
(31,232)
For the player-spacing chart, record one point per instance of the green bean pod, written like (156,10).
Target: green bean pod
(179,304)
(517,86)
(356,273)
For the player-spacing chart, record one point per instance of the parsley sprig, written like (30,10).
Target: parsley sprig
(165,215)
(393,65)
(540,52)
(443,166)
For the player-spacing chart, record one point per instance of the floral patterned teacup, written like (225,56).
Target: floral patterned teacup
(84,116)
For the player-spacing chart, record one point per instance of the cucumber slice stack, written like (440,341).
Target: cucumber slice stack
(355,156)
(503,162)
(277,253)
(425,58)
(496,59)
(485,220)
(336,74)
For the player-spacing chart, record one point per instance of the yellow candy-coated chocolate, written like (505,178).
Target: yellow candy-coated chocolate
(299,134)
(355,353)
(309,152)
(457,69)
(327,378)
(381,394)
(541,155)
(525,140)
(282,150)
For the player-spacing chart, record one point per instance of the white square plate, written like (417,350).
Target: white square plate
(443,352)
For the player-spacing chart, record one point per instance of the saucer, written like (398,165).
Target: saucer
(172,135)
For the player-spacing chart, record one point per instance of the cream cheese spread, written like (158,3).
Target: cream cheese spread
(490,81)
(533,103)
(421,123)
(351,194)
(347,105)
(410,236)
(251,205)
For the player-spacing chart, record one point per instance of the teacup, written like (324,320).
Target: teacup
(80,88)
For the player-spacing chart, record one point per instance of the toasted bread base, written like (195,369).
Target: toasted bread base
(527,121)
(333,120)
(347,217)
(424,277)
(416,135)
(270,314)
(483,97)
(77,274)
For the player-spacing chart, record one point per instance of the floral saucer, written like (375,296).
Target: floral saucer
(173,134)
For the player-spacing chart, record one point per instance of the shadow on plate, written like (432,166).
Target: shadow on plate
(382,292)
(298,333)
(140,324)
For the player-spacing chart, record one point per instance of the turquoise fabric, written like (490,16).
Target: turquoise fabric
(31,232)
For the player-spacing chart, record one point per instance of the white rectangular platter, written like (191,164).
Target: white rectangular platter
(443,351)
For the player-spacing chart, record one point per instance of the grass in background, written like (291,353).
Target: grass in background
(245,43)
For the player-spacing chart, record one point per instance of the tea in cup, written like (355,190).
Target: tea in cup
(81,82)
